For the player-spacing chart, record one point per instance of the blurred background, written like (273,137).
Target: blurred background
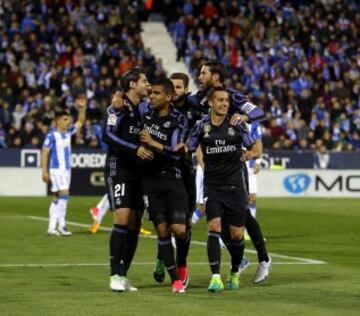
(298,60)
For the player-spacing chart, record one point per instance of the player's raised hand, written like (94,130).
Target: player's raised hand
(237,118)
(118,100)
(144,153)
(80,102)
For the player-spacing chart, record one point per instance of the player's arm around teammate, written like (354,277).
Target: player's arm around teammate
(123,176)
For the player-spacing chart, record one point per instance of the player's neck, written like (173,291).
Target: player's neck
(134,99)
(217,119)
(217,84)
(164,111)
(60,130)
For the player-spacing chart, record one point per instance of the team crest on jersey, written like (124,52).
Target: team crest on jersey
(167,124)
(112,119)
(231,131)
(207,129)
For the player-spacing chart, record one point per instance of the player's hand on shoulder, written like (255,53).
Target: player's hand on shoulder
(80,102)
(237,118)
(117,100)
(144,153)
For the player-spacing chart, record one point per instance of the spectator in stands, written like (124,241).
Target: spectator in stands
(52,52)
(295,52)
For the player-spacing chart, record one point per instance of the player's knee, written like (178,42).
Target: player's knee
(237,233)
(121,217)
(180,233)
(163,230)
(214,225)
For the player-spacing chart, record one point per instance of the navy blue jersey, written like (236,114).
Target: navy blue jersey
(239,103)
(192,110)
(168,130)
(222,150)
(121,133)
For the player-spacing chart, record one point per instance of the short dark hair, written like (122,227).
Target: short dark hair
(61,113)
(131,75)
(166,84)
(212,91)
(216,67)
(181,76)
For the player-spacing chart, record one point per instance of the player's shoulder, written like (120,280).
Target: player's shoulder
(194,98)
(112,115)
(204,120)
(144,107)
(178,116)
(235,95)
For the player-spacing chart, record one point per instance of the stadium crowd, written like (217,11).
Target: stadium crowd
(52,51)
(299,60)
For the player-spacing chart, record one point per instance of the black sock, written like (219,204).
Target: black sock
(254,231)
(118,242)
(225,234)
(182,249)
(132,241)
(213,250)
(166,252)
(237,253)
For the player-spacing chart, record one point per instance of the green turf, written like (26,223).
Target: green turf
(320,229)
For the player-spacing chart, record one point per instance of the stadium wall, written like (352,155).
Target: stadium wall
(293,175)
(21,182)
(271,183)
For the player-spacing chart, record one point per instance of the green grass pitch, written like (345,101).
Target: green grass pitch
(41,275)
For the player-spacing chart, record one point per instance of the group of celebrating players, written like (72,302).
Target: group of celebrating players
(152,131)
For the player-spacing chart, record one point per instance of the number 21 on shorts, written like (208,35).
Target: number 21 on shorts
(119,190)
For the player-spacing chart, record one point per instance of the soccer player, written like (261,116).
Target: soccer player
(164,128)
(99,211)
(212,74)
(225,188)
(123,176)
(181,86)
(56,168)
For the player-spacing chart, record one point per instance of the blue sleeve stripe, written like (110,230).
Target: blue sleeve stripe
(248,141)
(194,137)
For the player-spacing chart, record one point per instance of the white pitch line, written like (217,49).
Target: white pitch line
(195,242)
(56,265)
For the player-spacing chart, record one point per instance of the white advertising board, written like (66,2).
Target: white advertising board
(21,182)
(309,183)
